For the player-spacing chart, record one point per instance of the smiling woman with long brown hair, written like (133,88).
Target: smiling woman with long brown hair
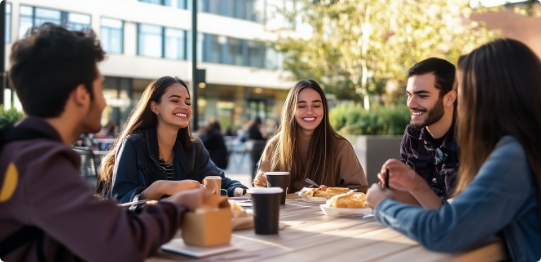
(306,145)
(156,155)
(499,180)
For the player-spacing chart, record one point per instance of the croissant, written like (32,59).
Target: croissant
(348,200)
(330,192)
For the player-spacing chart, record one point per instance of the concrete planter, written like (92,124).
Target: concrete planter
(373,151)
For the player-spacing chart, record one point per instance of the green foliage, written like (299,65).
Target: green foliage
(355,120)
(356,46)
(9,115)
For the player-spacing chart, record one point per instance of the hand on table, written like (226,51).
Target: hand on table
(172,187)
(195,198)
(165,187)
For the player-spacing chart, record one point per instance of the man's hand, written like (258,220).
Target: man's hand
(173,187)
(376,194)
(195,198)
(401,176)
(165,187)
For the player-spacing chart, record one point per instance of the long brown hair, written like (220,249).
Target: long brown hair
(140,119)
(283,149)
(504,75)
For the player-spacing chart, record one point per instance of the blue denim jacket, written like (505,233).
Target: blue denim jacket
(137,166)
(501,199)
(438,166)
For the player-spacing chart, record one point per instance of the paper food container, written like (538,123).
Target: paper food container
(208,227)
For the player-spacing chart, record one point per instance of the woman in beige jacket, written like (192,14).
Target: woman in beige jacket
(306,145)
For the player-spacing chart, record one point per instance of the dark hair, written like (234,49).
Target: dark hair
(141,119)
(49,63)
(283,148)
(213,125)
(257,120)
(505,74)
(442,69)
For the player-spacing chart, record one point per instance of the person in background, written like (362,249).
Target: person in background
(156,154)
(254,130)
(215,144)
(111,129)
(230,131)
(306,145)
(47,211)
(499,181)
(257,141)
(430,154)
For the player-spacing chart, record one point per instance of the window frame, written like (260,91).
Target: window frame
(121,33)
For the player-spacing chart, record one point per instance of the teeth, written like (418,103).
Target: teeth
(180,115)
(309,118)
(417,113)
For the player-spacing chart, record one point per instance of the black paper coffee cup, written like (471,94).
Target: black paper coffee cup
(278,179)
(266,209)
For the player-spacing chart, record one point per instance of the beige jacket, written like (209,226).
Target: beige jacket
(351,173)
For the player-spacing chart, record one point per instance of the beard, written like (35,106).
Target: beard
(92,121)
(433,115)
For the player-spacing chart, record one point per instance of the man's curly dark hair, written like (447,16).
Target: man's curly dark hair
(49,63)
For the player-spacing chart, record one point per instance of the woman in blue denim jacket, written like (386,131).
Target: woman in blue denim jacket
(498,191)
(156,155)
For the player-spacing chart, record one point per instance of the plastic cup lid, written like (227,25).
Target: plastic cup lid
(265,190)
(276,173)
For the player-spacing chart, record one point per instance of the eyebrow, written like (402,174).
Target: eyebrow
(177,96)
(418,92)
(314,101)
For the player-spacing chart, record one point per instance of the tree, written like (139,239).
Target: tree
(356,46)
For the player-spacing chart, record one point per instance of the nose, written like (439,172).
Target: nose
(309,110)
(412,103)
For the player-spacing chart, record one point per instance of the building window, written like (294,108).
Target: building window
(112,35)
(232,51)
(176,3)
(212,45)
(241,9)
(8,23)
(35,16)
(158,41)
(234,48)
(172,3)
(175,46)
(256,54)
(77,21)
(150,40)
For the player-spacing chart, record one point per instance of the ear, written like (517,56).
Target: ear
(153,107)
(80,96)
(450,98)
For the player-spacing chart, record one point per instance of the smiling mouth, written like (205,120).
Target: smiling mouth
(309,119)
(181,115)
(417,113)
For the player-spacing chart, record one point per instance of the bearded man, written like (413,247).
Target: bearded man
(428,149)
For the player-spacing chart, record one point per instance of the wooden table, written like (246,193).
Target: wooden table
(309,235)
